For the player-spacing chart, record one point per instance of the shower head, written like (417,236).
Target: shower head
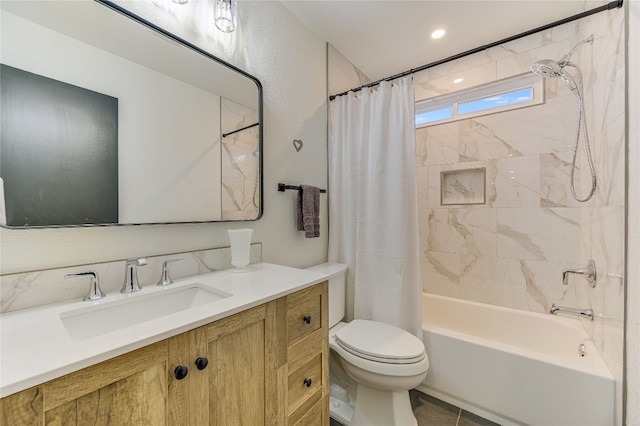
(549,68)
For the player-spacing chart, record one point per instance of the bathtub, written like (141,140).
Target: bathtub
(514,367)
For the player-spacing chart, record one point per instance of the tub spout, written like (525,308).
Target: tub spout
(588,271)
(584,313)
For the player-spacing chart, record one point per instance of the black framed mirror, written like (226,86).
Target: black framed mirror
(108,119)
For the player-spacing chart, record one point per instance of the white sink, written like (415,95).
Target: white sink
(93,321)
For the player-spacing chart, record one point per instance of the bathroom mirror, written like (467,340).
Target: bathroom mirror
(110,120)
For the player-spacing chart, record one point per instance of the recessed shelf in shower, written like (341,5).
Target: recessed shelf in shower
(465,186)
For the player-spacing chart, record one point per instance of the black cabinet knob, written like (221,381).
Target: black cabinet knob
(181,372)
(201,363)
(307,382)
(307,319)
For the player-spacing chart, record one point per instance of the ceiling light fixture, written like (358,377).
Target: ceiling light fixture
(180,1)
(225,15)
(458,80)
(438,33)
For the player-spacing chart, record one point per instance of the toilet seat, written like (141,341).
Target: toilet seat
(380,342)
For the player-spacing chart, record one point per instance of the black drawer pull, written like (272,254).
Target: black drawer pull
(181,372)
(307,382)
(307,319)
(201,363)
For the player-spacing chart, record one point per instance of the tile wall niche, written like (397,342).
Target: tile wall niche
(511,251)
(37,288)
(240,162)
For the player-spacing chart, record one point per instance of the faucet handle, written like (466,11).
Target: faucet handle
(165,279)
(95,293)
(141,261)
(590,273)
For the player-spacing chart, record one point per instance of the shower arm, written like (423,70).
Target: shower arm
(565,59)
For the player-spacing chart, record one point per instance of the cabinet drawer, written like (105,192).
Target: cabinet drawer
(305,381)
(316,416)
(304,313)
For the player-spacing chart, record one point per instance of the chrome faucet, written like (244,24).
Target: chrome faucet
(165,279)
(131,284)
(584,313)
(588,271)
(94,287)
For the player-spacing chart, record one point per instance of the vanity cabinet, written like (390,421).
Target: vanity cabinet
(267,365)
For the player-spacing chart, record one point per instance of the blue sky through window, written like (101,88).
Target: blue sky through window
(497,101)
(435,115)
(502,95)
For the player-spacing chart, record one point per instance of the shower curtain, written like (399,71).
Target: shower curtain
(373,203)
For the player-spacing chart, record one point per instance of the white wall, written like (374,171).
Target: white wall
(273,46)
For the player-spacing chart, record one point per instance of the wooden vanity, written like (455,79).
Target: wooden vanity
(266,365)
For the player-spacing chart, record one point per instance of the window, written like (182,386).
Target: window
(434,115)
(504,95)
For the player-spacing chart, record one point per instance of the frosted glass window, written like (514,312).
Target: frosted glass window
(496,101)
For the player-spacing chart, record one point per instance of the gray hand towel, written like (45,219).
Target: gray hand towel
(308,211)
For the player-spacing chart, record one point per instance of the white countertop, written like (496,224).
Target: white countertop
(35,346)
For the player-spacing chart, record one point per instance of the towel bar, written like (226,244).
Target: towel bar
(283,187)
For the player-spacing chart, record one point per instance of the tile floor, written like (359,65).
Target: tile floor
(433,412)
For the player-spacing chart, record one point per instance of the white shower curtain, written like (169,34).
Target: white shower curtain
(373,208)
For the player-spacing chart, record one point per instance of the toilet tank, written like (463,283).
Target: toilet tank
(337,277)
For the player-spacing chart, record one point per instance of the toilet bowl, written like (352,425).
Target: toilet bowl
(373,364)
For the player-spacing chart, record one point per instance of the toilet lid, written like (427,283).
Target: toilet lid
(380,342)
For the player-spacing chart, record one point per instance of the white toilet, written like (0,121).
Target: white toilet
(373,364)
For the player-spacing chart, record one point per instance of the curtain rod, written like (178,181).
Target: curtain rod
(615,4)
(224,135)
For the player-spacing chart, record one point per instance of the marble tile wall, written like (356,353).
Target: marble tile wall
(511,251)
(342,74)
(36,288)
(240,163)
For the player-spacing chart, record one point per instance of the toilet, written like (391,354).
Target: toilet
(373,365)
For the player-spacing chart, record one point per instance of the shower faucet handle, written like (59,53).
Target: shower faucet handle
(590,273)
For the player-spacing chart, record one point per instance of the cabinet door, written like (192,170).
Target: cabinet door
(22,408)
(241,371)
(179,390)
(129,389)
(126,390)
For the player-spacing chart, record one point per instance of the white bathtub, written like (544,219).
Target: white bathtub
(513,366)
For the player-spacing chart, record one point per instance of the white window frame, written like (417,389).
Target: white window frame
(512,84)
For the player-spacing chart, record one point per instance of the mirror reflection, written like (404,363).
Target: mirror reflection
(109,120)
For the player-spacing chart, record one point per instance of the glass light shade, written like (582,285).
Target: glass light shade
(225,15)
(240,240)
(180,1)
